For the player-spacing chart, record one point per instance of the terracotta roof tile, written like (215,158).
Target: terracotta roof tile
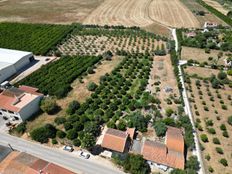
(170,154)
(30,90)
(154,151)
(174,139)
(115,140)
(54,169)
(131,132)
(175,159)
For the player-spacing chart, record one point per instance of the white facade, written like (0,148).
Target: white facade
(30,109)
(11,61)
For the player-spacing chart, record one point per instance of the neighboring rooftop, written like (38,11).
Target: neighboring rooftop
(115,140)
(23,163)
(4,151)
(174,139)
(14,99)
(11,56)
(170,154)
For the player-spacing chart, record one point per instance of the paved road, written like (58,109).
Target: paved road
(62,158)
(187,109)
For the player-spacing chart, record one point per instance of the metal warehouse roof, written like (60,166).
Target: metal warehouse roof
(8,57)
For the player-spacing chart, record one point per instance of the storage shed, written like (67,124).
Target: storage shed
(11,61)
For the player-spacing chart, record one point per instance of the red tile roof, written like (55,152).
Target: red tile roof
(170,154)
(175,159)
(30,90)
(131,132)
(9,97)
(6,103)
(154,151)
(54,169)
(174,139)
(115,140)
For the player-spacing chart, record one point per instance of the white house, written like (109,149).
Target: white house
(19,103)
(11,61)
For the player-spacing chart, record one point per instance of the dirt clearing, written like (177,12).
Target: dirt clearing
(167,90)
(198,54)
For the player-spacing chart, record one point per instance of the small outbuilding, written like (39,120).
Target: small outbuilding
(11,61)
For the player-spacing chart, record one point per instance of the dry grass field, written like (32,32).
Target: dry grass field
(194,6)
(46,11)
(217,6)
(142,13)
(208,113)
(198,54)
(203,72)
(162,71)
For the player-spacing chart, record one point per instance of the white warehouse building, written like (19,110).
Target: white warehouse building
(11,61)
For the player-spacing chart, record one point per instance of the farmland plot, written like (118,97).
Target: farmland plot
(194,7)
(211,109)
(217,6)
(142,13)
(96,41)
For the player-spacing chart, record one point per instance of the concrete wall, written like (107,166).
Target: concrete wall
(7,72)
(30,108)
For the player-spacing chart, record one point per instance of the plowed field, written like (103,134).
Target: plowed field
(142,13)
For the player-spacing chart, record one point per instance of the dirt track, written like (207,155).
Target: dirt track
(142,13)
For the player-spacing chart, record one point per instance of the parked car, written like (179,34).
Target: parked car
(68,148)
(84,155)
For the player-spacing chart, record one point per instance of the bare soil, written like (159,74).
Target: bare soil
(162,71)
(199,54)
(203,72)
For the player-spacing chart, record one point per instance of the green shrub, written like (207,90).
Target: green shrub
(42,134)
(210,169)
(91,86)
(207,157)
(204,138)
(219,150)
(60,134)
(216,141)
(230,120)
(54,141)
(21,128)
(209,122)
(72,107)
(76,142)
(71,134)
(223,127)
(225,134)
(60,120)
(224,162)
(224,107)
(211,130)
(49,105)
